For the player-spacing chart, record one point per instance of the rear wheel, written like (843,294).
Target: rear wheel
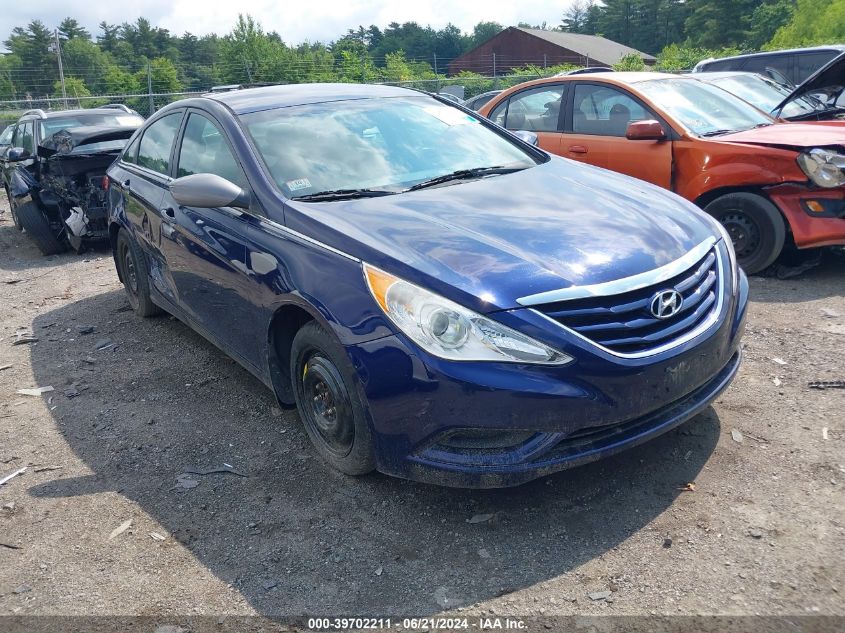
(755,225)
(38,228)
(328,401)
(133,271)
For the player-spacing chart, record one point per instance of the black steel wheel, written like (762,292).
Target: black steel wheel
(755,226)
(329,401)
(133,272)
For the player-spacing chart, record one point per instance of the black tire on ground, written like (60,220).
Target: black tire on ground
(13,209)
(38,228)
(133,271)
(329,401)
(755,226)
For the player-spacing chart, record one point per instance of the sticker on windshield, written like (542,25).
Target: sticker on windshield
(450,116)
(299,183)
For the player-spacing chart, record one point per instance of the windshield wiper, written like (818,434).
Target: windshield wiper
(717,132)
(464,174)
(344,194)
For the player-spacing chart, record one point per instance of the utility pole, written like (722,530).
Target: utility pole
(495,78)
(248,69)
(436,74)
(150,88)
(61,69)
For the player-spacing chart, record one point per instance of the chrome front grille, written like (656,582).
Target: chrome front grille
(624,323)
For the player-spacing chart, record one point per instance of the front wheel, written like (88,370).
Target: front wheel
(133,271)
(755,225)
(13,207)
(38,228)
(329,402)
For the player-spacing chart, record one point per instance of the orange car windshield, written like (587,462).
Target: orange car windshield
(704,109)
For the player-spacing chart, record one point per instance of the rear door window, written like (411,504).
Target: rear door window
(808,63)
(157,142)
(537,109)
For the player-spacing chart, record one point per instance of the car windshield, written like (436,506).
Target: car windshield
(766,94)
(388,144)
(703,109)
(52,125)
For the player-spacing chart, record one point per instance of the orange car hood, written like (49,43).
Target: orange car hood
(790,135)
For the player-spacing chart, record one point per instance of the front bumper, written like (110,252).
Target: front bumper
(816,216)
(535,420)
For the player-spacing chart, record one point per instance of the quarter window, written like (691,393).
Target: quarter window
(205,151)
(154,150)
(537,110)
(604,111)
(131,153)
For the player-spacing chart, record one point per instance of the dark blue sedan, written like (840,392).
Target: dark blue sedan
(439,299)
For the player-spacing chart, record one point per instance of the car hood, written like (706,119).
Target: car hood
(789,135)
(829,78)
(488,242)
(65,141)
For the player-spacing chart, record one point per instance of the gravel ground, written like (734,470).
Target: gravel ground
(740,511)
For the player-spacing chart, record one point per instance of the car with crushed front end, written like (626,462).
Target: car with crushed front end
(818,98)
(440,300)
(53,173)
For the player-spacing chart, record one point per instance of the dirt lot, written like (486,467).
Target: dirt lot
(761,531)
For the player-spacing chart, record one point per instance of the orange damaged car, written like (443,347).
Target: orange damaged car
(765,180)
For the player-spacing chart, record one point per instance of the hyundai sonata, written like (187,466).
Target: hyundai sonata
(440,300)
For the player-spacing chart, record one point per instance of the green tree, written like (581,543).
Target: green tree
(813,22)
(630,62)
(70,29)
(33,46)
(483,31)
(719,23)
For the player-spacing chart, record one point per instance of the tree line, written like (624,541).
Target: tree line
(137,57)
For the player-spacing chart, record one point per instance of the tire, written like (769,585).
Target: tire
(133,271)
(755,226)
(13,206)
(38,228)
(329,401)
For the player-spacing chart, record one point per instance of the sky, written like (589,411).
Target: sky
(315,20)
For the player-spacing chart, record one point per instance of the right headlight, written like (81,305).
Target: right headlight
(823,167)
(448,330)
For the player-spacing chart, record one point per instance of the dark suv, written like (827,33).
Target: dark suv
(53,172)
(788,67)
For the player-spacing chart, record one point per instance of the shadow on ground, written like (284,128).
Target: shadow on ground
(294,537)
(820,273)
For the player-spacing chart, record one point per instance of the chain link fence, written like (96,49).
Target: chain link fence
(147,103)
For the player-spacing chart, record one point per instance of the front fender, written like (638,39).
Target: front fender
(22,184)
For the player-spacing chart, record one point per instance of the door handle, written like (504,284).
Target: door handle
(169,213)
(577,149)
(125,183)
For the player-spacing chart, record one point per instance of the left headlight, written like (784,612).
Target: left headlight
(823,166)
(445,329)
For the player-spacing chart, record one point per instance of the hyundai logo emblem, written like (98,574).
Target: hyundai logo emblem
(666,303)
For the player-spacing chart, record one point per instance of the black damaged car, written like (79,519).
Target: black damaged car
(53,173)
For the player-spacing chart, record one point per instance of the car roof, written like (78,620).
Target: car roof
(722,74)
(270,97)
(786,51)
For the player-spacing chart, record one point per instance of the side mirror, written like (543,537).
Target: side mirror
(649,130)
(17,154)
(528,137)
(208,191)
